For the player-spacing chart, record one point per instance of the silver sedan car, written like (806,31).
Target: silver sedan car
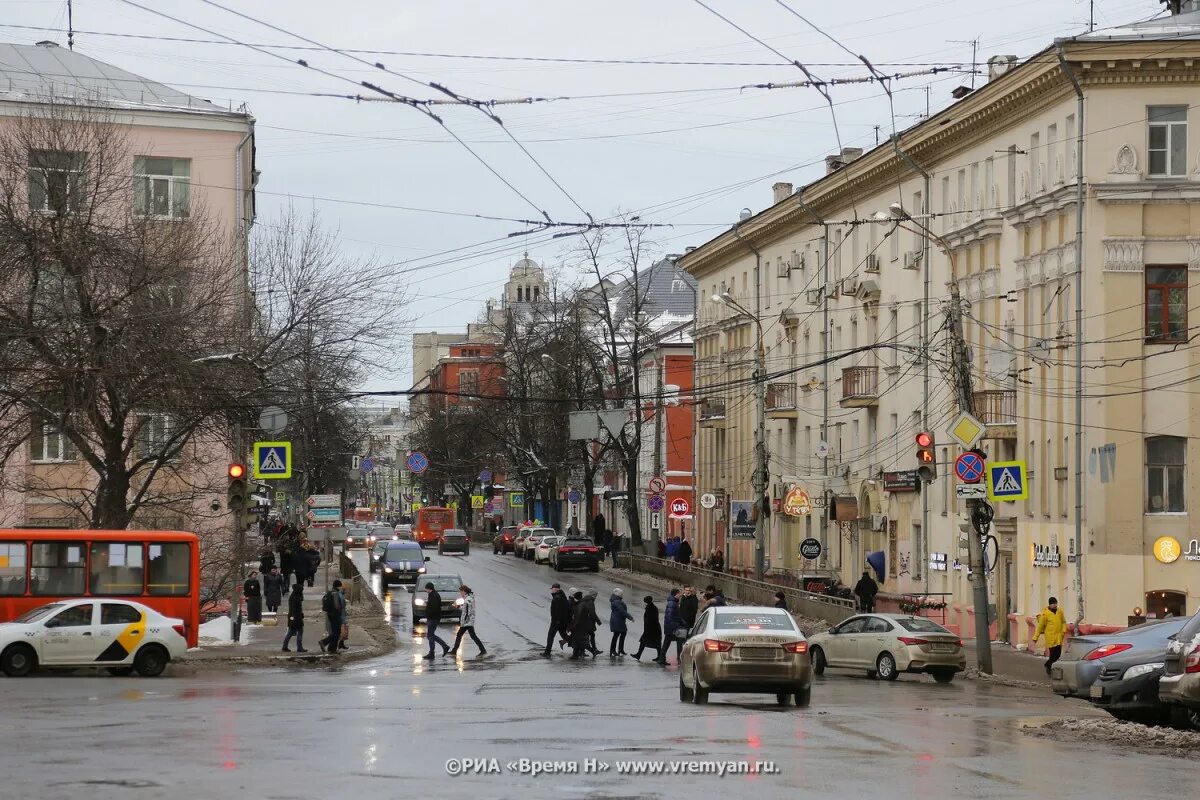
(747,649)
(887,644)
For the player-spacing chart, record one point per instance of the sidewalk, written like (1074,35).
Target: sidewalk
(1009,666)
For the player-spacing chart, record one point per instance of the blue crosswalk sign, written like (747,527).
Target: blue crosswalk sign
(1006,480)
(272,460)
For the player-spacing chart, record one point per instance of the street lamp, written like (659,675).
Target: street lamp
(760,444)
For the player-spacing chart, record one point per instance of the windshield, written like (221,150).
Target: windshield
(753,621)
(443,583)
(39,613)
(454,532)
(357,532)
(576,543)
(404,552)
(920,625)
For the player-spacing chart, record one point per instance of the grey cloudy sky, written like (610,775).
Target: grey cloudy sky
(688,155)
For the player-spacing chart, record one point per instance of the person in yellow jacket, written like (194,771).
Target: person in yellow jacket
(1053,624)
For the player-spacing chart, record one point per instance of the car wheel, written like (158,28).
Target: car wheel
(818,661)
(942,675)
(467,551)
(495,552)
(1185,718)
(595,567)
(885,667)
(440,553)
(151,660)
(685,694)
(120,672)
(699,694)
(803,697)
(781,698)
(557,567)
(18,661)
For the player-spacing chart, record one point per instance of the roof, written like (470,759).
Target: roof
(664,288)
(1183,27)
(36,73)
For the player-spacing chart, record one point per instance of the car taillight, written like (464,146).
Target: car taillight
(796,647)
(717,646)
(180,629)
(910,640)
(1106,650)
(1191,662)
(592,549)
(566,550)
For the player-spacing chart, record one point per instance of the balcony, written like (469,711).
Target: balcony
(860,387)
(712,413)
(997,409)
(781,401)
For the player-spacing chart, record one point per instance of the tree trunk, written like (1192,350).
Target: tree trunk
(111,510)
(632,513)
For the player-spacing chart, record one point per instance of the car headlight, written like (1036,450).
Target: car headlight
(458,601)
(418,601)
(349,540)
(395,537)
(1140,669)
(387,569)
(422,569)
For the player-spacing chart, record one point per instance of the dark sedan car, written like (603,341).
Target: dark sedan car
(574,553)
(1085,656)
(454,540)
(1128,687)
(447,587)
(402,562)
(503,541)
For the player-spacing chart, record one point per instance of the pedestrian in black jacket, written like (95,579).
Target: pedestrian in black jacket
(583,626)
(689,606)
(560,618)
(781,600)
(433,615)
(266,563)
(312,558)
(273,589)
(252,590)
(287,565)
(651,631)
(295,619)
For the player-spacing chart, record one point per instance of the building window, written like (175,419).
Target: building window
(48,444)
(56,181)
(154,437)
(1168,141)
(468,381)
(1166,457)
(1166,304)
(162,187)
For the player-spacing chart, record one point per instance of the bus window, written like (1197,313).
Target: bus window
(116,568)
(12,568)
(169,569)
(58,569)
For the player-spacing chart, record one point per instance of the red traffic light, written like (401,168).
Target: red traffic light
(924,439)
(237,471)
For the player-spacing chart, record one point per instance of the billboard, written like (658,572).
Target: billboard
(741,519)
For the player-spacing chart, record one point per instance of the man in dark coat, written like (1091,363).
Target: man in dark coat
(273,589)
(313,560)
(583,626)
(433,615)
(865,590)
(651,630)
(560,618)
(252,590)
(689,606)
(295,619)
(286,564)
(683,553)
(598,528)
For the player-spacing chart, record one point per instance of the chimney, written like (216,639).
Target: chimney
(833,164)
(850,153)
(781,191)
(999,65)
(689,249)
(47,43)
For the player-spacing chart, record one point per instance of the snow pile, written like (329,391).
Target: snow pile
(1160,740)
(216,631)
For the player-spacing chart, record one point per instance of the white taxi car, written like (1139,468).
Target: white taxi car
(120,635)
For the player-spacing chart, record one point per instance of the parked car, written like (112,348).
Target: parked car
(454,540)
(402,531)
(447,587)
(1127,687)
(571,553)
(1084,657)
(402,562)
(541,553)
(1179,686)
(746,649)
(359,537)
(519,541)
(376,552)
(120,635)
(533,540)
(502,542)
(887,644)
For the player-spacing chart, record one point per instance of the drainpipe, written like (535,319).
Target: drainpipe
(921,548)
(799,195)
(1079,198)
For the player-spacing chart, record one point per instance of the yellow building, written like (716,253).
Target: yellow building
(994,177)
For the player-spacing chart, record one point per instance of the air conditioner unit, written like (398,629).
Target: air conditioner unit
(849,285)
(813,297)
(878,522)
(833,290)
(872,264)
(912,259)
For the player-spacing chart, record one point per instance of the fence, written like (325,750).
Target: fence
(745,590)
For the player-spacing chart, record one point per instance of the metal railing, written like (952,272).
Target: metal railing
(781,396)
(712,409)
(996,406)
(859,383)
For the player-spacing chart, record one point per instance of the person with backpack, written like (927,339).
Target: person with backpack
(295,619)
(333,605)
(466,621)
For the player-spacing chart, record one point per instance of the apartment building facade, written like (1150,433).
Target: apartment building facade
(994,177)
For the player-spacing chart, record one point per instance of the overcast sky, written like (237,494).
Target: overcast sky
(691,155)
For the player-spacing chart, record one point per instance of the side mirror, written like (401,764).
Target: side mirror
(426,558)
(833,631)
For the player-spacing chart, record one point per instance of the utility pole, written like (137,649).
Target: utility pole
(658,432)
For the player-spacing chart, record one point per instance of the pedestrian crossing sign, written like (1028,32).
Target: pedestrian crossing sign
(272,460)
(1007,480)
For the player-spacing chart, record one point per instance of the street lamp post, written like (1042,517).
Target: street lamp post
(760,435)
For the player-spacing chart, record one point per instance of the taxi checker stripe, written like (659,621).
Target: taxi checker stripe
(126,642)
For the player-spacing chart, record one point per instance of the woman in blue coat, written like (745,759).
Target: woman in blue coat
(672,622)
(616,622)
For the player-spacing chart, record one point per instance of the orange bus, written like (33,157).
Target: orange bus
(158,568)
(430,522)
(362,515)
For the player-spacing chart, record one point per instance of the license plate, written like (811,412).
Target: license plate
(1097,692)
(941,648)
(758,653)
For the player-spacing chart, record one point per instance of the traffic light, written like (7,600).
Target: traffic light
(926,458)
(236,493)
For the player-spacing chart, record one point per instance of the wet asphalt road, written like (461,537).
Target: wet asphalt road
(386,728)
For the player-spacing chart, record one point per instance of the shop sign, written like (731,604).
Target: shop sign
(902,481)
(1046,556)
(938,562)
(1193,551)
(1167,549)
(797,503)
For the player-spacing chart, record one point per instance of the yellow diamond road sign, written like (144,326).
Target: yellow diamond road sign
(966,430)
